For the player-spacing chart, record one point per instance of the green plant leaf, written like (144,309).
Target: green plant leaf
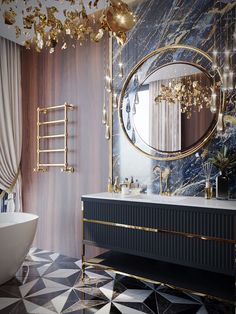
(223,159)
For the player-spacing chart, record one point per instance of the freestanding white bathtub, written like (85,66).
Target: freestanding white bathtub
(17,232)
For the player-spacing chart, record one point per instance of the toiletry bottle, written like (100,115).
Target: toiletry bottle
(132,185)
(109,185)
(124,189)
(127,182)
(208,190)
(11,203)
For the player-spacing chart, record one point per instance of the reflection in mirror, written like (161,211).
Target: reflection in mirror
(172,109)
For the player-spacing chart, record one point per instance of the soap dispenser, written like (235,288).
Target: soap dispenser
(136,184)
(132,185)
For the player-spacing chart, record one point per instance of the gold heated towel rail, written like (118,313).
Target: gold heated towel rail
(44,166)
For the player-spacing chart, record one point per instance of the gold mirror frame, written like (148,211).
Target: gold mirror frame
(191,150)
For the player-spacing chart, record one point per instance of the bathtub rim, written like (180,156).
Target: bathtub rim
(17,218)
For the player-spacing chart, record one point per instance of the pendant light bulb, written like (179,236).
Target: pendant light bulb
(133,136)
(225,81)
(231,80)
(136,81)
(128,124)
(104,114)
(227,57)
(136,98)
(121,67)
(115,101)
(127,107)
(220,123)
(214,62)
(213,101)
(107,132)
(108,81)
(121,70)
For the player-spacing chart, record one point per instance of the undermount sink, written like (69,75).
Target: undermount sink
(156,197)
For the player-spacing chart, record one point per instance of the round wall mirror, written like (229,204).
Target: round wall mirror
(170,102)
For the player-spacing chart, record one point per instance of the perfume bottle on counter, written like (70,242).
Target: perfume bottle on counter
(208,190)
(207,167)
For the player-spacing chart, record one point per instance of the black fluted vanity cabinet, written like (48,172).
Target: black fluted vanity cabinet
(201,237)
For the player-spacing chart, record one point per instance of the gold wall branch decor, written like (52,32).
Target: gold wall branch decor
(48,25)
(43,166)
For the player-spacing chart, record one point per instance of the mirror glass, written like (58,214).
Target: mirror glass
(167,109)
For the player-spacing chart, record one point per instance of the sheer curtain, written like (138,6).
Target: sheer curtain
(10,123)
(165,126)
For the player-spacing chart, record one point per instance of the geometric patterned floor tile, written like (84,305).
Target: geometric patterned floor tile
(107,289)
(50,283)
(133,295)
(126,309)
(5,302)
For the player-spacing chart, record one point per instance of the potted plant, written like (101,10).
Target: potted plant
(225,161)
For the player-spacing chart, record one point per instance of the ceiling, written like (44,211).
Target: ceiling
(172,71)
(9,31)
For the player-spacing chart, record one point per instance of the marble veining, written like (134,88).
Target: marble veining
(163,23)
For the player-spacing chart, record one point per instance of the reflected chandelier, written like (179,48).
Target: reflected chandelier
(48,26)
(191,95)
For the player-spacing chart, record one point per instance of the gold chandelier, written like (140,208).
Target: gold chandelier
(48,27)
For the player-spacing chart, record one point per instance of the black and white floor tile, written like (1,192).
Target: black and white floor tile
(50,283)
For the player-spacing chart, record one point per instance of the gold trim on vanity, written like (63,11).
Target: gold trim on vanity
(83,245)
(183,234)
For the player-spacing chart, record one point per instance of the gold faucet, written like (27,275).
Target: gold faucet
(163,174)
(155,170)
(116,186)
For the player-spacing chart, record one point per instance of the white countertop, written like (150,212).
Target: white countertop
(172,200)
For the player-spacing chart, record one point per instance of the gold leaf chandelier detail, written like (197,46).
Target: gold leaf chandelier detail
(48,28)
(190,94)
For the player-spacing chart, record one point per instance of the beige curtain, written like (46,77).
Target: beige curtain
(10,122)
(165,132)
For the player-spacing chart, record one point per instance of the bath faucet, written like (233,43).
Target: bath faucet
(163,174)
(155,170)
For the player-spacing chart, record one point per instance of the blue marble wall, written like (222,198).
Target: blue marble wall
(160,23)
